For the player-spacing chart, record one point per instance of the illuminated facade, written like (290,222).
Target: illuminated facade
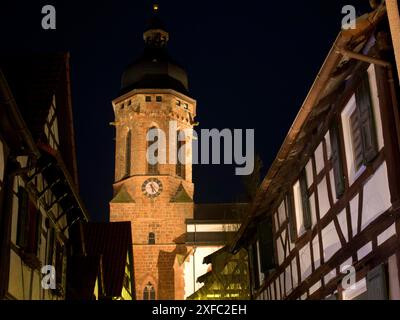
(171,235)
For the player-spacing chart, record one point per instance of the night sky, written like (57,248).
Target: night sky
(250,65)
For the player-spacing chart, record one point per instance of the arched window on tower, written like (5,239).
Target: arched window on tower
(152,168)
(128,150)
(149,293)
(152,238)
(180,165)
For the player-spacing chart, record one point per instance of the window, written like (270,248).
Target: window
(152,238)
(129,102)
(181,154)
(128,154)
(185,106)
(148,292)
(359,131)
(336,159)
(59,262)
(51,234)
(152,159)
(254,269)
(266,245)
(159,98)
(148,98)
(178,103)
(301,205)
(29,223)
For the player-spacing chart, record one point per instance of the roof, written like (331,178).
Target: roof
(33,80)
(326,87)
(84,271)
(155,69)
(220,211)
(112,241)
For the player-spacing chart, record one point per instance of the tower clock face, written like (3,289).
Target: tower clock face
(152,187)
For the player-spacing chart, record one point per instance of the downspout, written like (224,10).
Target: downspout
(394,23)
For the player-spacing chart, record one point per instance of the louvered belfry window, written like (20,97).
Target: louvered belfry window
(152,168)
(128,150)
(180,167)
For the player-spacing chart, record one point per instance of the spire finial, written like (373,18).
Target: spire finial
(156,7)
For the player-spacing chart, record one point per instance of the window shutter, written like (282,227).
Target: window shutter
(292,217)
(366,118)
(50,250)
(265,237)
(253,265)
(32,228)
(59,262)
(336,161)
(305,202)
(376,284)
(23,223)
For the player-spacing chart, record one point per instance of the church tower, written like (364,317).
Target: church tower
(156,198)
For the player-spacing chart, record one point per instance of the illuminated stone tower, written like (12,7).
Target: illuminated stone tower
(157,199)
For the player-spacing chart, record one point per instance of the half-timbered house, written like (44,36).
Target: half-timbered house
(325,222)
(39,199)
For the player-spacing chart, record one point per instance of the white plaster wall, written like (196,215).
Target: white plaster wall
(323,198)
(288,280)
(387,234)
(309,173)
(282,212)
(342,219)
(330,241)
(316,252)
(294,273)
(319,158)
(376,196)
(305,261)
(280,251)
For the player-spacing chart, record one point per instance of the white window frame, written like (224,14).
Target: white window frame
(348,142)
(298,206)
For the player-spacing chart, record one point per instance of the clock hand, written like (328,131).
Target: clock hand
(152,188)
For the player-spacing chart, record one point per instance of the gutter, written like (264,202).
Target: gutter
(334,56)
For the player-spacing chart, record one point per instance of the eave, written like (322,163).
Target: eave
(324,85)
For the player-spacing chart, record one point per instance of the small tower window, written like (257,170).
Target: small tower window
(180,163)
(152,238)
(128,154)
(152,168)
(148,98)
(148,292)
(159,98)
(178,103)
(186,106)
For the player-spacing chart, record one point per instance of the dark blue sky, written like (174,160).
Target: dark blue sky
(250,65)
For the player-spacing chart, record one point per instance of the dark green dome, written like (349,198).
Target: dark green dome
(155,69)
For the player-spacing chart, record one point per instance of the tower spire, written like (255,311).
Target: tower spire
(156,35)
